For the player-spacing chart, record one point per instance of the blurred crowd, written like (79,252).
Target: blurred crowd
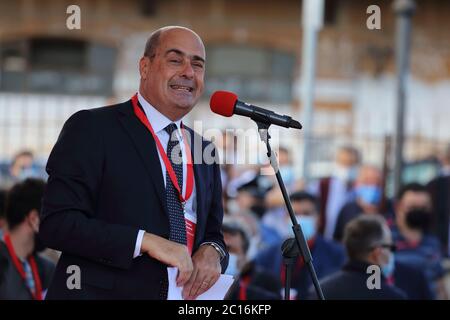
(349,224)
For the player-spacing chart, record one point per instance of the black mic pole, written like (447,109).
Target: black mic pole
(263,129)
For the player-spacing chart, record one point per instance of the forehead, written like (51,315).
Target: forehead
(369,173)
(416,198)
(304,205)
(182,40)
(232,240)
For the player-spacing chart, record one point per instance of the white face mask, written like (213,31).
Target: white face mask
(253,248)
(232,268)
(388,268)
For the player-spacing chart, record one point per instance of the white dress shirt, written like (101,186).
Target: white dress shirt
(158,122)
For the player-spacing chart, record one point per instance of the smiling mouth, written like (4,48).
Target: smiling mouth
(182,88)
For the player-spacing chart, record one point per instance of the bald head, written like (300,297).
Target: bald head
(155,38)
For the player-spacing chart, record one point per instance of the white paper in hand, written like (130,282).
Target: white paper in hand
(216,292)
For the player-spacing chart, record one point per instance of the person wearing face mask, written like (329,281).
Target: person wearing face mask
(328,256)
(22,166)
(439,189)
(411,233)
(367,198)
(368,242)
(24,275)
(251,283)
(334,191)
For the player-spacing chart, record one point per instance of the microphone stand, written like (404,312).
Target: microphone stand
(290,253)
(263,129)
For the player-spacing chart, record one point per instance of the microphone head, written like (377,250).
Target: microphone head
(223,102)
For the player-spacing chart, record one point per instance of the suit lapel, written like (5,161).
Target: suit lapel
(146,148)
(200,182)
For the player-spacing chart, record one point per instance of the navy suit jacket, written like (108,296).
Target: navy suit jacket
(328,257)
(105,184)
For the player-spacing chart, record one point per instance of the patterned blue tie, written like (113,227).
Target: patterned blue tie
(29,280)
(174,207)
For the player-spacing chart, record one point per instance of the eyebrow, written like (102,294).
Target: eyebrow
(179,52)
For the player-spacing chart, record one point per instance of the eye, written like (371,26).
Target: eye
(198,65)
(175,61)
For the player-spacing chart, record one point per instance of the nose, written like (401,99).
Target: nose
(188,71)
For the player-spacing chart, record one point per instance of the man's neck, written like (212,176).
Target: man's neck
(22,243)
(171,114)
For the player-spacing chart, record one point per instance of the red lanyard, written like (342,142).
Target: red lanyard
(190,171)
(243,284)
(37,295)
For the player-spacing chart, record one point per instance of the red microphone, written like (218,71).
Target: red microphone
(226,104)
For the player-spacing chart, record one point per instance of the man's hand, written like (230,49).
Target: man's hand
(206,272)
(170,253)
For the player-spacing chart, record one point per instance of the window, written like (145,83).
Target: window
(252,73)
(52,65)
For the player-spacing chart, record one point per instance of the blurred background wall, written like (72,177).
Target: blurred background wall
(47,72)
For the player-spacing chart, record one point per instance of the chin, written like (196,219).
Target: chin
(185,104)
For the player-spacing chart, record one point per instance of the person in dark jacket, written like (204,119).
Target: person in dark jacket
(416,245)
(369,246)
(24,275)
(252,283)
(412,281)
(366,199)
(327,255)
(439,189)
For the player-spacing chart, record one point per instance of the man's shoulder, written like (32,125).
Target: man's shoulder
(330,246)
(109,110)
(95,117)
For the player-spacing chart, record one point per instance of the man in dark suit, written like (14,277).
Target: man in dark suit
(24,274)
(123,199)
(368,242)
(328,256)
(439,189)
(252,283)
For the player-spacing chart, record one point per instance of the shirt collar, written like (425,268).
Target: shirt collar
(156,118)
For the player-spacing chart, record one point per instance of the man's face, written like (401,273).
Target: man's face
(412,200)
(304,208)
(173,80)
(306,214)
(383,252)
(235,246)
(345,158)
(23,162)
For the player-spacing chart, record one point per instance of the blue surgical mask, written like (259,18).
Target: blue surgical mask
(308,225)
(288,175)
(370,194)
(388,268)
(29,172)
(232,268)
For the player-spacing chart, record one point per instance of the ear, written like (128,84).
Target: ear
(144,65)
(374,256)
(33,219)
